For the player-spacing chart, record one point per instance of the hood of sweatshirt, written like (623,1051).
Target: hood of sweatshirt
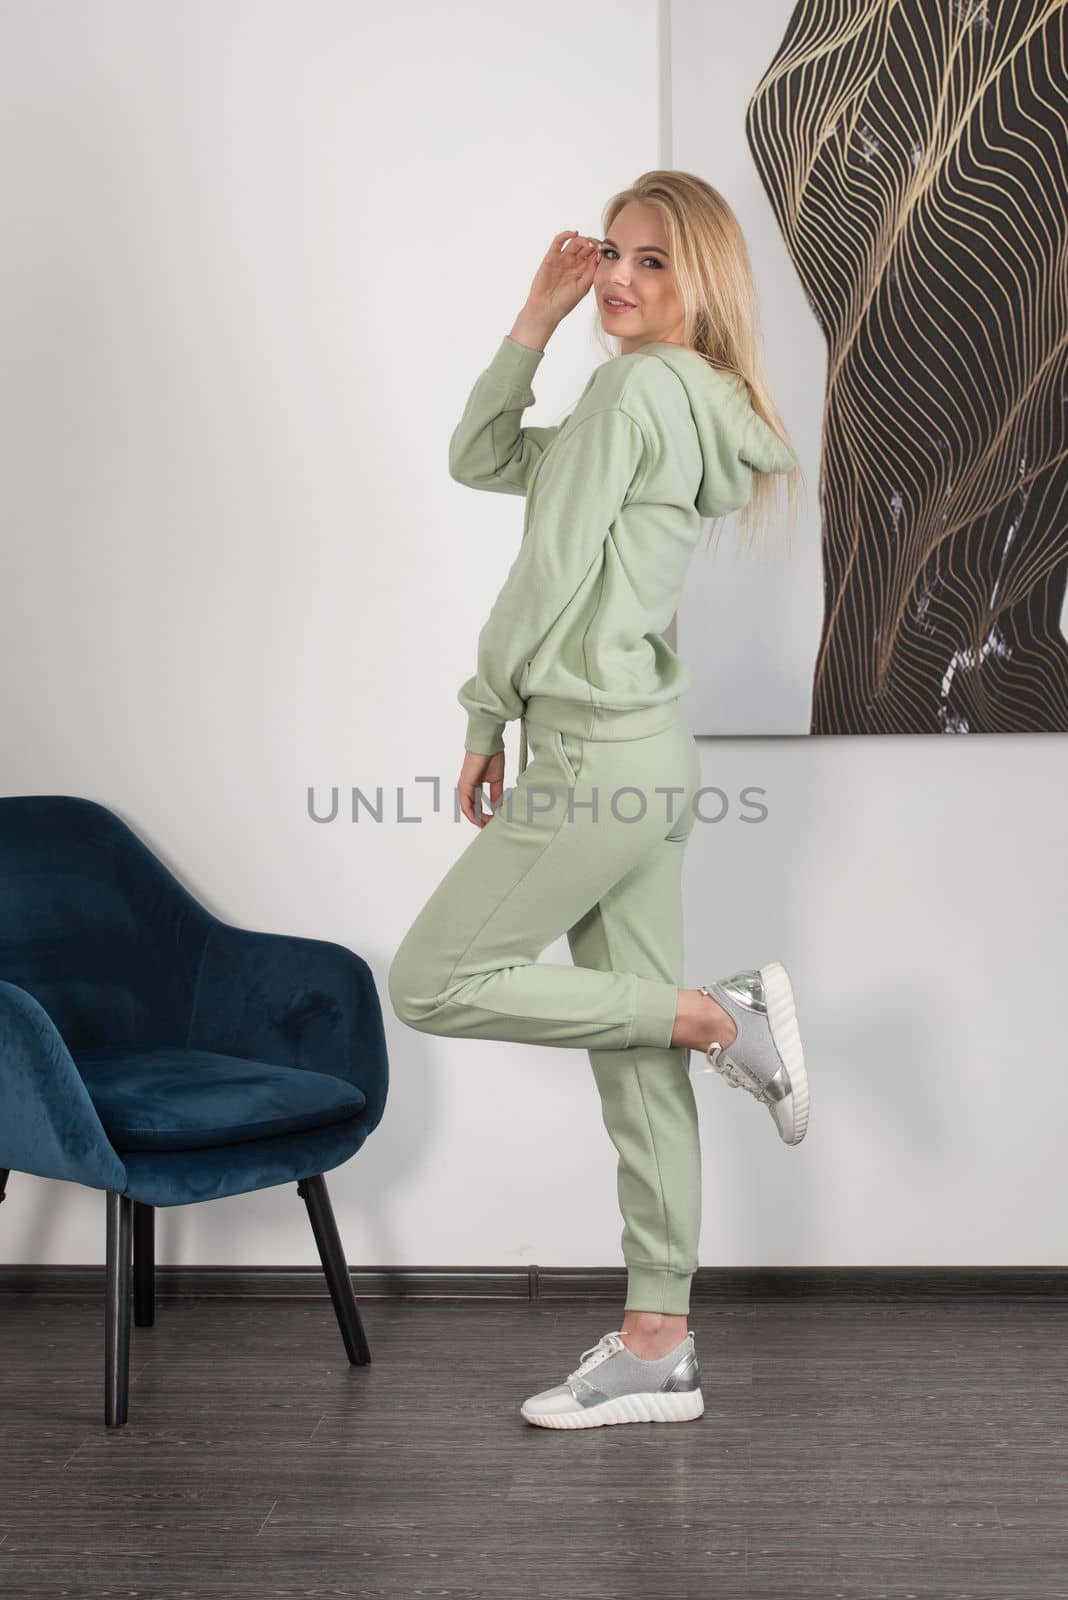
(735,440)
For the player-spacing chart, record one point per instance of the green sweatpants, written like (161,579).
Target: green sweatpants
(589,842)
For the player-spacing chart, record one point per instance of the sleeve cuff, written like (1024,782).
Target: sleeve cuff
(485,737)
(515,364)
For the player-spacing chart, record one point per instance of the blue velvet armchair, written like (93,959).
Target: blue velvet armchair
(155,1052)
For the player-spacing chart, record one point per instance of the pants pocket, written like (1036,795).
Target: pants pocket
(569,750)
(683,826)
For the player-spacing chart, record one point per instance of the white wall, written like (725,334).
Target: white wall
(257,255)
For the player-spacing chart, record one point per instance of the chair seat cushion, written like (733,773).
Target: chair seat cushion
(174,1099)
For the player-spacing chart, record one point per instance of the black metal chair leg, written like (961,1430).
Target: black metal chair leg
(5,1173)
(144,1263)
(117,1324)
(314,1194)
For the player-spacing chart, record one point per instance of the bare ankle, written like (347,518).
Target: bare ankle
(701,1021)
(649,1334)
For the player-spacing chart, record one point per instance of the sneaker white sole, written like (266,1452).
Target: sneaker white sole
(791,1113)
(668,1406)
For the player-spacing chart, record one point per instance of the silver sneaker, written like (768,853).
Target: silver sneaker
(611,1384)
(766,1057)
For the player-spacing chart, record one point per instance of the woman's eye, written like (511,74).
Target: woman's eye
(607,251)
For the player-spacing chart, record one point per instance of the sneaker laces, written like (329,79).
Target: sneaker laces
(738,1076)
(606,1346)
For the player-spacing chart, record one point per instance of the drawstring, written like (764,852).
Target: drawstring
(522,743)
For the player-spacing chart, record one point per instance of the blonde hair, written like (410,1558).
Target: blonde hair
(720,322)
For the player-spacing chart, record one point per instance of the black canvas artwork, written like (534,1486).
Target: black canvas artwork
(915,154)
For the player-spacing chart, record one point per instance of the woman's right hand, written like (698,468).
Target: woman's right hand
(477,770)
(564,277)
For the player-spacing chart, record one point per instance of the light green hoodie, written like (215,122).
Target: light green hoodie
(614,499)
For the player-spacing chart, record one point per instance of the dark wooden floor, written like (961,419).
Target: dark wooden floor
(847,1449)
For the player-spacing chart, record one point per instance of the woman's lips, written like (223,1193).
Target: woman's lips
(625,306)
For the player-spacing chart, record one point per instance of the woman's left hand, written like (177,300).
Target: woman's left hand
(476,771)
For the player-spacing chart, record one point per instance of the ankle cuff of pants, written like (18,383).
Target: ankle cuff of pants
(658,1289)
(655,1005)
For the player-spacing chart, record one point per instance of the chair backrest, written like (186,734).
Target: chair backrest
(94,926)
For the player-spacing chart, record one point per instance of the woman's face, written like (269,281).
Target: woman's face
(635,267)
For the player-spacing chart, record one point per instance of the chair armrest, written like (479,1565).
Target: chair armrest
(48,1124)
(293,1002)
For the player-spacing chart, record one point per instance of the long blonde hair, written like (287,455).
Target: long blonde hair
(715,281)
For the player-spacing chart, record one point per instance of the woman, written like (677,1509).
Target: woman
(590,842)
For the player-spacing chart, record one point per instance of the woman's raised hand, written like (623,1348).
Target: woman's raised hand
(564,276)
